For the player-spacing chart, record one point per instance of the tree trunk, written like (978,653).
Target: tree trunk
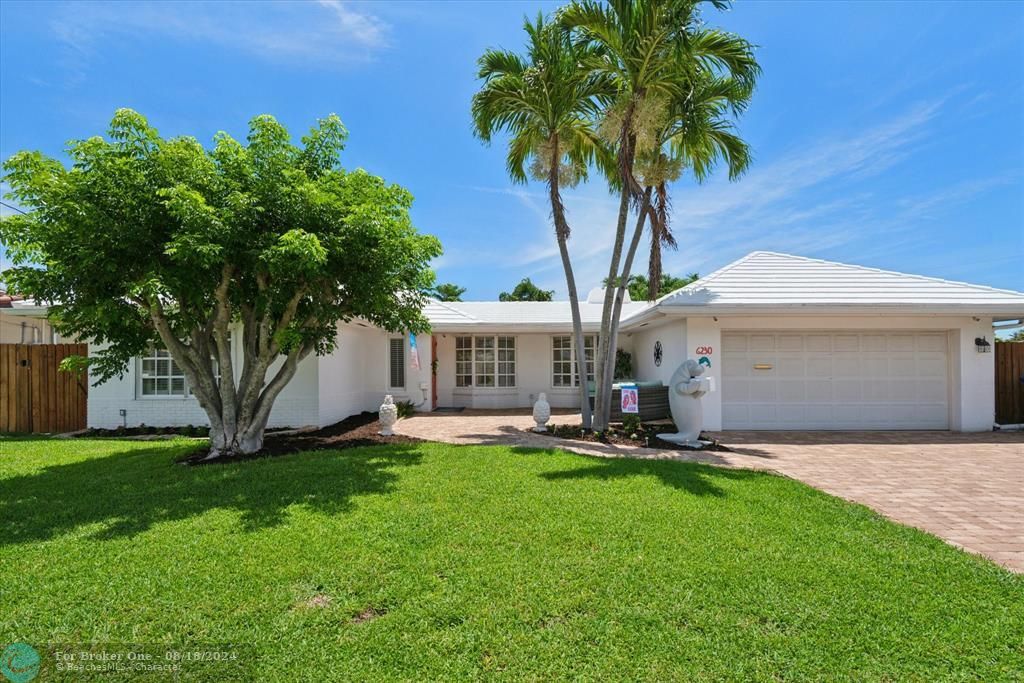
(627,143)
(602,392)
(562,237)
(620,295)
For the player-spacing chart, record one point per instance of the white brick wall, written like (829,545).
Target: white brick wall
(296,406)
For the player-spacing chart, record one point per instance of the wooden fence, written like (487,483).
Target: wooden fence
(35,396)
(1009,384)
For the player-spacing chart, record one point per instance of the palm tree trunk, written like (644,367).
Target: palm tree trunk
(620,295)
(562,237)
(602,390)
(660,236)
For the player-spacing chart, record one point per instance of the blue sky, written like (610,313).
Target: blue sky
(888,134)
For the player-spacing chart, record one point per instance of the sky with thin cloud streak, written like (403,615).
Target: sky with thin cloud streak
(874,142)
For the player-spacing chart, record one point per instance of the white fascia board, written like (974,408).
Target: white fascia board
(995,311)
(512,328)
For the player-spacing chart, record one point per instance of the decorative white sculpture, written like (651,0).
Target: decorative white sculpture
(541,413)
(684,394)
(388,416)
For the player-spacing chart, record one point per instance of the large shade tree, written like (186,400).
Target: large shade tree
(655,53)
(547,103)
(264,244)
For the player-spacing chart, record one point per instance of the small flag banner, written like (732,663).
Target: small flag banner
(414,354)
(630,399)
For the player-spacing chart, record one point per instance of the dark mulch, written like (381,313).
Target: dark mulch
(645,435)
(352,432)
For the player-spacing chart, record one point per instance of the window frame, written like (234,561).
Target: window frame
(591,361)
(503,353)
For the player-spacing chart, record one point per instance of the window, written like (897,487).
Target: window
(463,361)
(161,376)
(485,361)
(397,363)
(563,360)
(506,361)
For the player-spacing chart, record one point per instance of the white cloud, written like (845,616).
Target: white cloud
(811,200)
(333,33)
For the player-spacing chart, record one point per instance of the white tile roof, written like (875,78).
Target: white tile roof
(518,314)
(767,280)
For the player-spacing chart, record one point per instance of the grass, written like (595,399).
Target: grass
(440,562)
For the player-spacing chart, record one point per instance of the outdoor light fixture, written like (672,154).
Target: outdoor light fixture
(982,345)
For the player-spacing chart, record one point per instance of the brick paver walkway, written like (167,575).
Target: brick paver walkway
(965,488)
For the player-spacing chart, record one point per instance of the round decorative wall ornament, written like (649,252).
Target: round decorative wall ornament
(657,353)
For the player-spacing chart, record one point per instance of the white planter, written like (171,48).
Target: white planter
(388,416)
(541,413)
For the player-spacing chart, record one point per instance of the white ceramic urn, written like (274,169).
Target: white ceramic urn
(541,413)
(388,416)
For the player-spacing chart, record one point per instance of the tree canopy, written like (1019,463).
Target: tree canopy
(639,286)
(448,291)
(150,240)
(527,291)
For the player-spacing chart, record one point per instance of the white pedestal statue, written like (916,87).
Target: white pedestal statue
(684,394)
(388,416)
(541,413)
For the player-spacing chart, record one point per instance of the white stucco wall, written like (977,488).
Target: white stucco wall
(533,375)
(296,406)
(672,335)
(971,385)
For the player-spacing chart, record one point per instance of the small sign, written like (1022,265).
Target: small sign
(657,353)
(630,399)
(705,361)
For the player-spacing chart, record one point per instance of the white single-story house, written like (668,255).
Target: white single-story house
(792,343)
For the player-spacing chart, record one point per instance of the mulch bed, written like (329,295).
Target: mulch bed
(352,432)
(645,435)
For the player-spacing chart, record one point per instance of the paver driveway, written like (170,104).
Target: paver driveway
(965,488)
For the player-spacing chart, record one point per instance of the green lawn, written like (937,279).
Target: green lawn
(441,562)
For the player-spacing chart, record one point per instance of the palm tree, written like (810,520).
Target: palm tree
(547,102)
(651,51)
(697,135)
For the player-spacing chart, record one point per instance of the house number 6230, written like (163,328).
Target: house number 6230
(704,350)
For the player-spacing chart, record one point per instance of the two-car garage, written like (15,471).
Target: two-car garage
(832,380)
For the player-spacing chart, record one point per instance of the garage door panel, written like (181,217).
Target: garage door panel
(847,390)
(840,380)
(819,390)
(848,366)
(763,390)
(792,390)
(819,366)
(734,343)
(790,342)
(901,342)
(873,343)
(818,343)
(791,367)
(935,343)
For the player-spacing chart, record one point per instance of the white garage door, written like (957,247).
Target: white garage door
(834,380)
